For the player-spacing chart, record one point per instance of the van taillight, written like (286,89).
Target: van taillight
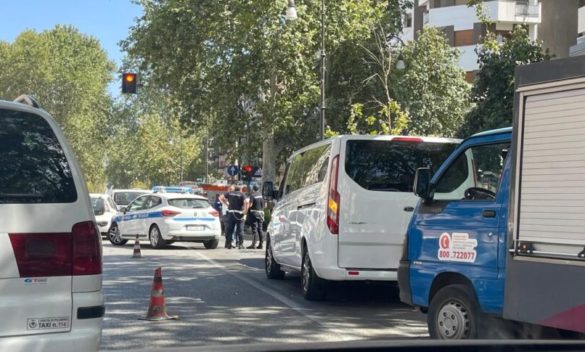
(333,199)
(87,249)
(59,254)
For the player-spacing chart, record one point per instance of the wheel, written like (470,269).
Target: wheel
(156,240)
(271,267)
(211,244)
(114,236)
(313,286)
(454,314)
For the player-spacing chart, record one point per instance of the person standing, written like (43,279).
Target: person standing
(218,206)
(256,214)
(238,205)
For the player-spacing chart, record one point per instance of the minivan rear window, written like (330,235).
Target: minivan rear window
(379,165)
(33,166)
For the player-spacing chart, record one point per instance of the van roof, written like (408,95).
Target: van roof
(370,137)
(493,132)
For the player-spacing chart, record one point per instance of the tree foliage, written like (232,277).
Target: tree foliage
(432,88)
(493,91)
(68,73)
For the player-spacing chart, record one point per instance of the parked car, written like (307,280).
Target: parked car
(344,206)
(123,197)
(163,218)
(51,273)
(104,210)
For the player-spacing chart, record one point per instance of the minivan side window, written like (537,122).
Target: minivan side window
(315,164)
(390,166)
(478,167)
(33,165)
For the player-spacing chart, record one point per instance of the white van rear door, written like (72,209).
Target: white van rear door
(375,184)
(39,205)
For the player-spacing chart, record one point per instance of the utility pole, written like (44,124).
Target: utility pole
(322,122)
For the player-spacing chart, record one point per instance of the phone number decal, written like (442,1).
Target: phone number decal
(457,247)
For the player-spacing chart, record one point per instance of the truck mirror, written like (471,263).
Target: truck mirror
(268,189)
(422,182)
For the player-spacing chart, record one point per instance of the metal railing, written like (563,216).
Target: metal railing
(525,9)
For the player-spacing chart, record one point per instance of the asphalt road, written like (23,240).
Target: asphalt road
(223,297)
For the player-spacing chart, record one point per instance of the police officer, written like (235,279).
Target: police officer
(237,206)
(256,214)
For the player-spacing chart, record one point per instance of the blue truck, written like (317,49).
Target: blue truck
(497,241)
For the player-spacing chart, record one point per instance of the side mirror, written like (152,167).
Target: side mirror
(124,210)
(422,183)
(268,190)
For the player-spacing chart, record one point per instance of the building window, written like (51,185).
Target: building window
(407,20)
(463,38)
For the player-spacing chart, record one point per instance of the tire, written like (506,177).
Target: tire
(211,244)
(312,285)
(156,240)
(114,236)
(271,267)
(454,314)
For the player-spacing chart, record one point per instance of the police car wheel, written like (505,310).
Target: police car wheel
(454,314)
(156,240)
(313,286)
(114,236)
(271,267)
(211,244)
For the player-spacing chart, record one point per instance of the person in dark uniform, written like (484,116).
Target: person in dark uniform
(237,206)
(256,214)
(218,206)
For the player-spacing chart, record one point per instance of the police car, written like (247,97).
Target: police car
(50,248)
(163,218)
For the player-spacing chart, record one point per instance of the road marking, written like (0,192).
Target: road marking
(339,335)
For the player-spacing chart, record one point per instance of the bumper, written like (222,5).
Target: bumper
(404,282)
(340,274)
(192,236)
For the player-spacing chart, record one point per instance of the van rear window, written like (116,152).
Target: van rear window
(33,166)
(379,165)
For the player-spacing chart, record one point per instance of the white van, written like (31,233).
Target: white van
(50,247)
(343,208)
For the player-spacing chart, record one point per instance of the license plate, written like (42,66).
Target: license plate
(195,228)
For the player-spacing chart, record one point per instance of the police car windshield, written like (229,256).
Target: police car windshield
(189,203)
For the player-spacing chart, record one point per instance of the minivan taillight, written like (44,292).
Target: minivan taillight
(87,249)
(59,254)
(333,198)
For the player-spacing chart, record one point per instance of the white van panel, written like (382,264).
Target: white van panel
(552,205)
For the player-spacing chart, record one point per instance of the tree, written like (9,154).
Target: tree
(68,73)
(493,91)
(238,68)
(432,88)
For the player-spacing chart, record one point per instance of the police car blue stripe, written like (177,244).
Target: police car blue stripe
(155,214)
(192,219)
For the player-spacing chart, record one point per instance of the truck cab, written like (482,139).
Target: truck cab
(453,263)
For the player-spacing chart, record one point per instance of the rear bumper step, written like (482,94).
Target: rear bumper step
(91,312)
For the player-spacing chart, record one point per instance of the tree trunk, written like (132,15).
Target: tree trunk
(268,158)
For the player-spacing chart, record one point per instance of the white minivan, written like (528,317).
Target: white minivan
(343,208)
(50,247)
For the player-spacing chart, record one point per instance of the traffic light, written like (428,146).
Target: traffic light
(248,172)
(129,83)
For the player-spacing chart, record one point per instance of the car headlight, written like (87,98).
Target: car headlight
(102,223)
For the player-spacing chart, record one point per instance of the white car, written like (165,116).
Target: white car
(50,248)
(104,210)
(163,218)
(123,197)
(344,207)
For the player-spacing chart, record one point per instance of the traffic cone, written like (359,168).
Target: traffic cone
(137,253)
(157,309)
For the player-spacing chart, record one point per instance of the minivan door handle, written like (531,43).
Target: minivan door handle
(409,209)
(488,213)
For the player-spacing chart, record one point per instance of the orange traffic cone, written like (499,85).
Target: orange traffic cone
(157,309)
(137,253)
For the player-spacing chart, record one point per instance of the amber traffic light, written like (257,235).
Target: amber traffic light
(129,83)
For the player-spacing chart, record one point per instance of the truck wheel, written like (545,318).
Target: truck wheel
(454,314)
(271,267)
(313,286)
(211,244)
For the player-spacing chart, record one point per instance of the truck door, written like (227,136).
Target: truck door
(460,226)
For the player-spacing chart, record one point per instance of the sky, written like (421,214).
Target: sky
(107,20)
